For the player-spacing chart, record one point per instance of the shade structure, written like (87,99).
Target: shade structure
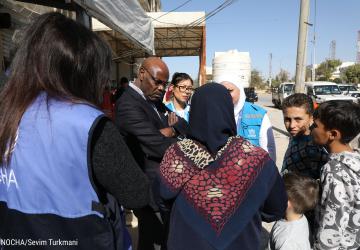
(125,17)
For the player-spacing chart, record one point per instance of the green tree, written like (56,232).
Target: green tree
(337,80)
(283,76)
(325,69)
(256,80)
(275,82)
(308,73)
(351,74)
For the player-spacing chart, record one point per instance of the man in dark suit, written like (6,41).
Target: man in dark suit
(148,133)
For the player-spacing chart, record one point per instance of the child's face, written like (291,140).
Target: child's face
(297,121)
(320,134)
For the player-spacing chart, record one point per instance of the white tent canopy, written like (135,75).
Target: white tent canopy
(126,17)
(178,33)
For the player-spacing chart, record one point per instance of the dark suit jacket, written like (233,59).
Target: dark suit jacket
(139,123)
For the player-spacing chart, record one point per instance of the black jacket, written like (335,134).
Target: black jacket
(139,123)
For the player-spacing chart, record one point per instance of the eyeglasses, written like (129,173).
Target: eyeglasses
(157,81)
(184,88)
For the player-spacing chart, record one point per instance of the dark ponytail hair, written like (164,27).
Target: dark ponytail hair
(179,77)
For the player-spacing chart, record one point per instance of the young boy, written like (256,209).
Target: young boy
(303,155)
(336,124)
(292,233)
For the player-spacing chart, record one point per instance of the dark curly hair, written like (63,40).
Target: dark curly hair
(340,115)
(299,100)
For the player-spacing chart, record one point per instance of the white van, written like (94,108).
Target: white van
(326,91)
(279,94)
(348,89)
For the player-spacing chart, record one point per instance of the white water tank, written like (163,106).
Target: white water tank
(233,64)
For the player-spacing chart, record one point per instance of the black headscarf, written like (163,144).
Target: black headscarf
(212,119)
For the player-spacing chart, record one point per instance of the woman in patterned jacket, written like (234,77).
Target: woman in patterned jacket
(221,186)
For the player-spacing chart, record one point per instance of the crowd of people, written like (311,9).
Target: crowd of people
(196,167)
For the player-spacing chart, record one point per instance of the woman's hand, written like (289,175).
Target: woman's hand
(172,119)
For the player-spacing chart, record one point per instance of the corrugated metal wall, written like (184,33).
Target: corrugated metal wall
(20,16)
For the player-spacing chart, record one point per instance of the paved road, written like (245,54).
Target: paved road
(265,100)
(281,141)
(280,133)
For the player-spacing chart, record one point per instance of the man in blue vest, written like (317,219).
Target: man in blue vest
(251,120)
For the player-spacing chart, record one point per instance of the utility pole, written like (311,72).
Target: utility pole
(270,69)
(301,49)
(358,49)
(313,71)
(332,50)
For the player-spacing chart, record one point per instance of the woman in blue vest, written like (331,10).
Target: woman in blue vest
(181,88)
(252,121)
(61,160)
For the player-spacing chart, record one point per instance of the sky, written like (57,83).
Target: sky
(262,27)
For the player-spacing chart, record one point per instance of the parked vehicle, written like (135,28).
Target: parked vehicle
(326,91)
(280,93)
(348,89)
(251,95)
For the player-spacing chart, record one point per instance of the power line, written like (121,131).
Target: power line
(196,22)
(192,24)
(155,19)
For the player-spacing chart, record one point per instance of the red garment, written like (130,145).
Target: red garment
(107,106)
(228,184)
(167,95)
(218,199)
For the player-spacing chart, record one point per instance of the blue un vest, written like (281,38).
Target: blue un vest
(49,170)
(250,121)
(170,105)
